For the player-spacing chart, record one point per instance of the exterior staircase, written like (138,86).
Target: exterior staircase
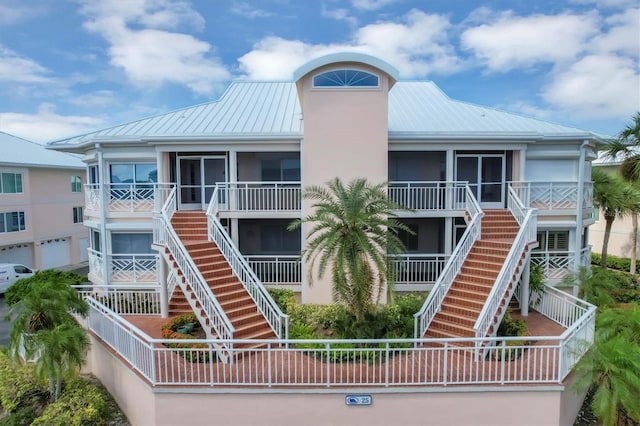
(235,300)
(470,290)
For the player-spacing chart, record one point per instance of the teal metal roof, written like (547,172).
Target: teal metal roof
(18,152)
(271,110)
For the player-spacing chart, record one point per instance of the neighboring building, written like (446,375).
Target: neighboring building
(41,205)
(622,231)
(189,210)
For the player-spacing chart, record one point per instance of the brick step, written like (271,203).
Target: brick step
(232,295)
(498,247)
(478,271)
(266,333)
(242,320)
(188,234)
(223,288)
(473,286)
(196,220)
(473,279)
(457,330)
(251,328)
(215,282)
(464,302)
(206,265)
(241,301)
(468,294)
(467,322)
(240,310)
(477,255)
(493,266)
(497,236)
(196,245)
(461,310)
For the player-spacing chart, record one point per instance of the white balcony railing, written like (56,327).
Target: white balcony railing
(431,195)
(126,197)
(350,363)
(259,196)
(553,195)
(417,268)
(276,270)
(124,268)
(124,299)
(556,264)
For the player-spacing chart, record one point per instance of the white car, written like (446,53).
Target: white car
(12,272)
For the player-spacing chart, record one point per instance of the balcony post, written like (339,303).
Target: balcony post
(577,249)
(524,287)
(164,293)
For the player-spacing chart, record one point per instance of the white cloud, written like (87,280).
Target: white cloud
(622,35)
(511,42)
(99,98)
(248,11)
(371,4)
(18,69)
(13,13)
(417,45)
(339,14)
(614,4)
(46,125)
(597,86)
(152,55)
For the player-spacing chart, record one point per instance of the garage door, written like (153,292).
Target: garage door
(21,253)
(55,253)
(83,245)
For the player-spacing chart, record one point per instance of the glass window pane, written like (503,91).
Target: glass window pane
(3,227)
(121,173)
(18,182)
(137,243)
(146,173)
(291,169)
(9,183)
(270,170)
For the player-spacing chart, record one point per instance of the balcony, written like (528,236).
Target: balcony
(123,268)
(558,263)
(557,197)
(428,196)
(125,198)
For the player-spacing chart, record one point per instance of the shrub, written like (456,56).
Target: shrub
(18,384)
(613,262)
(284,298)
(194,352)
(23,286)
(80,404)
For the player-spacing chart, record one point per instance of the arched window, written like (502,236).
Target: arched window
(346,78)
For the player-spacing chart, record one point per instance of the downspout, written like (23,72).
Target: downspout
(103,216)
(579,212)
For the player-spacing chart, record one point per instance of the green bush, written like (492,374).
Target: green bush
(17,291)
(512,327)
(80,404)
(613,262)
(285,299)
(18,384)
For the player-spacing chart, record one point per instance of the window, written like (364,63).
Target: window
(10,183)
(346,78)
(553,241)
(131,243)
(77,215)
(409,240)
(133,173)
(76,184)
(280,169)
(96,241)
(12,222)
(94,175)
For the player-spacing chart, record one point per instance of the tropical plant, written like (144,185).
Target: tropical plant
(596,286)
(45,328)
(626,144)
(353,229)
(617,198)
(611,367)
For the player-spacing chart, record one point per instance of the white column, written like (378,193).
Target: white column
(102,176)
(577,242)
(164,292)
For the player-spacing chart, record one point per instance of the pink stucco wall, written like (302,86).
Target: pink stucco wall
(345,136)
(477,406)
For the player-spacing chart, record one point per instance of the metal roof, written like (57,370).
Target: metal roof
(15,151)
(271,110)
(345,57)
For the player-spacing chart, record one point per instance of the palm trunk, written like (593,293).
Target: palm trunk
(605,243)
(634,242)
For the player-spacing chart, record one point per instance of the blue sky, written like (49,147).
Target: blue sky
(68,67)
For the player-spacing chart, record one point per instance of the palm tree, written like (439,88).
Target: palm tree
(611,367)
(45,327)
(617,198)
(626,144)
(354,229)
(594,285)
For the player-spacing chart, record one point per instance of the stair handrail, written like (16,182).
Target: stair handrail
(452,268)
(277,319)
(210,305)
(526,218)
